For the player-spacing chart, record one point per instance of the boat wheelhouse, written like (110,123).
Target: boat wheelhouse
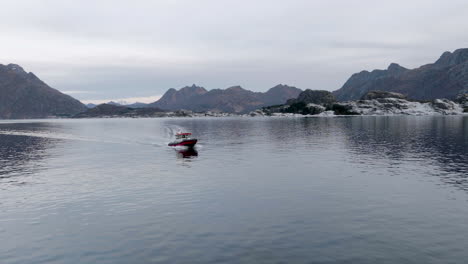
(184,139)
(183,135)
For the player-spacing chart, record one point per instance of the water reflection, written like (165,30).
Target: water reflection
(331,190)
(428,141)
(21,155)
(187,153)
(438,141)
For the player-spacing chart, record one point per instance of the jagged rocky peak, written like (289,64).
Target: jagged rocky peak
(18,72)
(193,89)
(12,69)
(15,67)
(395,68)
(449,59)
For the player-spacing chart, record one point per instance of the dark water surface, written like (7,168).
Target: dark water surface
(257,190)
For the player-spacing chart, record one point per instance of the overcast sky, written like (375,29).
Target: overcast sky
(121,49)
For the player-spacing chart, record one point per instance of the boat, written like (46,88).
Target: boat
(184,139)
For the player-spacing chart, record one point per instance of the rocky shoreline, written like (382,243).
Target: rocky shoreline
(373,103)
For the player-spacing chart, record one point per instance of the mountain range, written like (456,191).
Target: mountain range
(23,95)
(232,100)
(445,78)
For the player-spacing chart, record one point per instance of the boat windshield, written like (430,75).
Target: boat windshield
(183,135)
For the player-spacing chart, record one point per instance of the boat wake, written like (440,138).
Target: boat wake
(172,130)
(63,136)
(158,138)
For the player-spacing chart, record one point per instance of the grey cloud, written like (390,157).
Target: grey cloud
(122,49)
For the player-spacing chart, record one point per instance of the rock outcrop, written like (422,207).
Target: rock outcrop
(23,95)
(397,106)
(309,102)
(318,97)
(372,103)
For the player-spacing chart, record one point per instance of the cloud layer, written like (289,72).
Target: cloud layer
(120,49)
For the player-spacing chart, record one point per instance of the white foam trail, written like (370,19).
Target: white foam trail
(43,135)
(173,129)
(152,140)
(61,136)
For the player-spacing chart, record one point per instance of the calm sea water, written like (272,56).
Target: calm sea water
(256,190)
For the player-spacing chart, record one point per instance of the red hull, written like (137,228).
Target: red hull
(185,143)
